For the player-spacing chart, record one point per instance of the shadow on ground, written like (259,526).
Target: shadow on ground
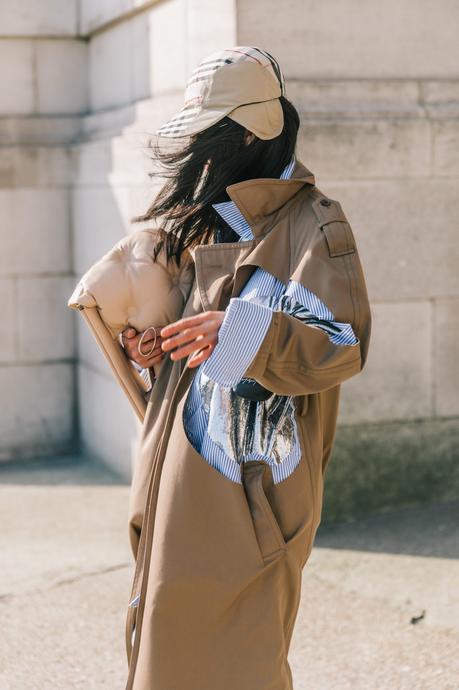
(379,607)
(430,530)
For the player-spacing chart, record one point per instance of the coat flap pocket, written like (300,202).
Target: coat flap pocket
(339,237)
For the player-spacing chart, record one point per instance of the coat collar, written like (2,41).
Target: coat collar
(232,214)
(259,198)
(223,268)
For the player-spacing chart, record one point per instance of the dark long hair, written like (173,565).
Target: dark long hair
(198,173)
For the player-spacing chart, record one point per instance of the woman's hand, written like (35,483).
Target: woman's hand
(131,339)
(193,334)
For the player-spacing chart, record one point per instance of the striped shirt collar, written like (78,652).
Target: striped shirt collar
(232,215)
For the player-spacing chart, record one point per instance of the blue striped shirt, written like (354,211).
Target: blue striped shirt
(243,329)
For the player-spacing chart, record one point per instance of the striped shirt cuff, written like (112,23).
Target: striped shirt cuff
(243,330)
(145,374)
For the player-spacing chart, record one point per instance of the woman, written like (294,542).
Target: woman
(228,483)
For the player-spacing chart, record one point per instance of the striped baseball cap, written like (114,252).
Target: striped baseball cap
(243,83)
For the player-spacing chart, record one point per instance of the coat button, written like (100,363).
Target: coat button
(325,202)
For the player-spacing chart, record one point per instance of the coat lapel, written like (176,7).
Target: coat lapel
(215,271)
(223,269)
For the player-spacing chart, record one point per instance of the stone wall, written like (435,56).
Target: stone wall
(377,87)
(43,76)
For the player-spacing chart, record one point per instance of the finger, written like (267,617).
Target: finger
(127,342)
(150,338)
(182,324)
(157,359)
(146,346)
(131,351)
(200,357)
(187,336)
(191,347)
(134,336)
(148,355)
(141,360)
(146,363)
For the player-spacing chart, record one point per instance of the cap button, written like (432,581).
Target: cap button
(325,202)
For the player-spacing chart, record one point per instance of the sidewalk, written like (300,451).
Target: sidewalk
(379,610)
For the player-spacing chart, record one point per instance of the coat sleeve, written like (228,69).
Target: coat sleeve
(297,358)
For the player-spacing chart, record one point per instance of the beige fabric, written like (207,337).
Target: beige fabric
(127,288)
(243,83)
(125,372)
(218,564)
(265,120)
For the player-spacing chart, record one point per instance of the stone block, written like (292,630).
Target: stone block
(365,148)
(54,168)
(17,95)
(375,467)
(101,124)
(116,161)
(44,322)
(132,161)
(141,65)
(446,148)
(7,167)
(349,97)
(108,426)
(123,50)
(92,163)
(50,18)
(39,131)
(406,231)
(152,113)
(440,92)
(446,356)
(210,26)
(352,39)
(37,416)
(140,198)
(34,167)
(110,74)
(35,232)
(138,122)
(396,382)
(168,41)
(93,15)
(100,218)
(61,69)
(89,353)
(7,322)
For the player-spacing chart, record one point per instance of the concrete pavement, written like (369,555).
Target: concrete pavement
(379,608)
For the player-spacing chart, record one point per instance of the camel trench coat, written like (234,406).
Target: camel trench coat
(218,564)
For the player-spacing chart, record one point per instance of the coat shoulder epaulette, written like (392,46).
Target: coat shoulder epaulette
(334,225)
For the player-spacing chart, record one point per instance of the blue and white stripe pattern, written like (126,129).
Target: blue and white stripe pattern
(230,212)
(243,329)
(233,355)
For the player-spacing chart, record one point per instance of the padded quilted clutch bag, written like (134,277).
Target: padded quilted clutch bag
(126,287)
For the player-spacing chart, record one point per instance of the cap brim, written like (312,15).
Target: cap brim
(187,122)
(265,119)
